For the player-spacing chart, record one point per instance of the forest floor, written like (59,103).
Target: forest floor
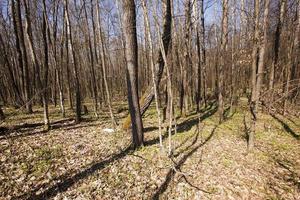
(209,161)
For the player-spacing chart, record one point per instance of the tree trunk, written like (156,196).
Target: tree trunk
(277,43)
(224,41)
(132,71)
(257,66)
(148,96)
(296,62)
(262,53)
(187,59)
(25,64)
(94,86)
(292,60)
(46,68)
(74,62)
(104,67)
(151,58)
(233,60)
(169,84)
(18,46)
(253,77)
(200,45)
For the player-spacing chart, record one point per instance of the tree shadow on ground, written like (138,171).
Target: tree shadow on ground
(284,172)
(197,131)
(25,130)
(227,114)
(150,129)
(188,124)
(183,143)
(185,125)
(67,180)
(292,176)
(163,187)
(286,127)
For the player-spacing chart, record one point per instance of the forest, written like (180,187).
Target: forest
(150,99)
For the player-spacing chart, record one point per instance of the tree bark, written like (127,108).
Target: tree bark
(132,71)
(253,76)
(25,64)
(277,43)
(148,96)
(46,69)
(258,56)
(104,67)
(151,58)
(94,86)
(293,52)
(224,41)
(74,62)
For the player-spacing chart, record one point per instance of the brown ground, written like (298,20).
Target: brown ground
(83,162)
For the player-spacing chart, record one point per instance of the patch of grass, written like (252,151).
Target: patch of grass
(41,167)
(47,153)
(262,156)
(212,189)
(278,144)
(259,135)
(227,162)
(45,157)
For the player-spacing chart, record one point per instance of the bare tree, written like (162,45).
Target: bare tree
(132,69)
(258,56)
(74,62)
(151,57)
(46,69)
(94,85)
(282,6)
(104,66)
(290,69)
(148,96)
(224,41)
(25,59)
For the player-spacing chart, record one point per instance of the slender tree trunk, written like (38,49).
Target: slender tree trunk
(25,66)
(32,51)
(202,50)
(262,53)
(60,74)
(104,67)
(296,62)
(67,44)
(18,100)
(46,68)
(233,60)
(94,86)
(148,96)
(169,83)
(292,60)
(151,58)
(224,41)
(199,64)
(243,24)
(253,105)
(258,55)
(187,58)
(277,43)
(98,75)
(75,64)
(132,71)
(200,45)
(18,46)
